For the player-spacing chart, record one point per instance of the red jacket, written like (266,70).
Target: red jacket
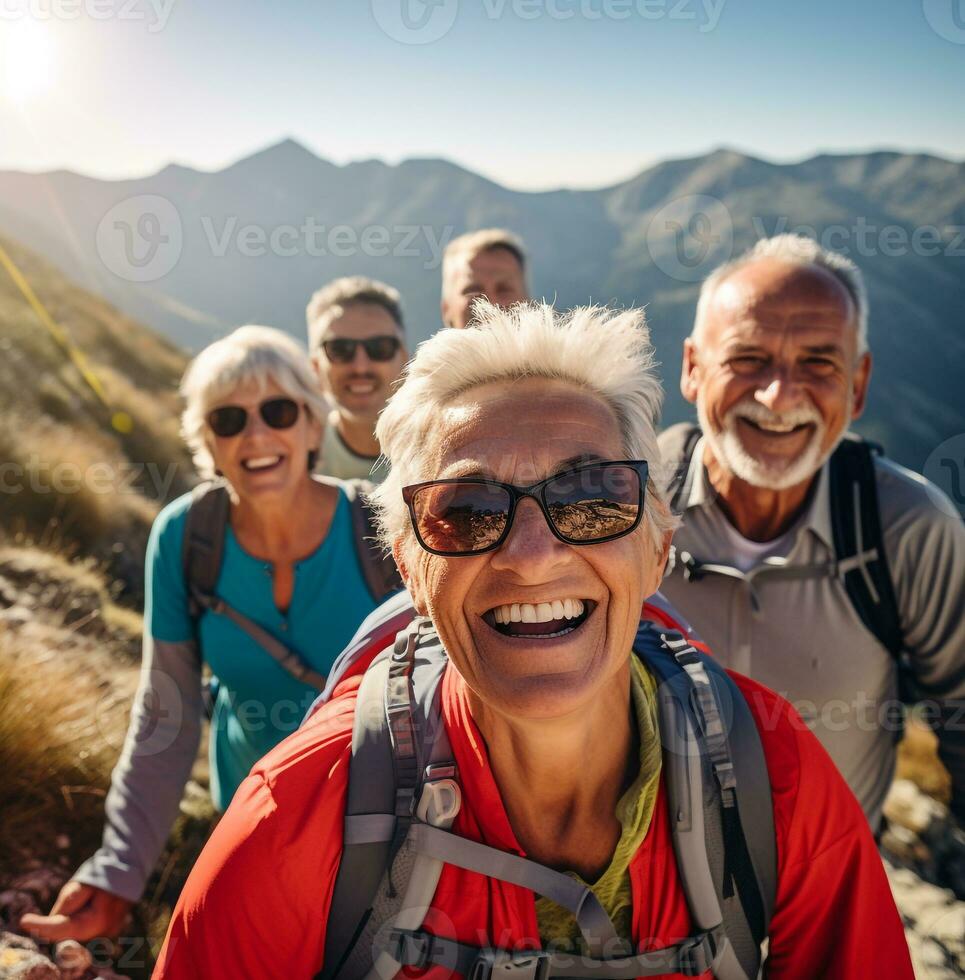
(257,902)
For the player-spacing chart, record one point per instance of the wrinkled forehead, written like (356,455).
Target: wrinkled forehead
(522,431)
(772,294)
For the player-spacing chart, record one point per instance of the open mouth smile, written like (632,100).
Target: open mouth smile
(539,621)
(776,430)
(261,464)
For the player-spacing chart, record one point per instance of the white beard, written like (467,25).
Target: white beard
(726,445)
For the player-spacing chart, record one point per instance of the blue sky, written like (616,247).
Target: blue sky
(533,93)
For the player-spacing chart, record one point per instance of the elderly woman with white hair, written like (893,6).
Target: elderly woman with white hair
(287,591)
(506,746)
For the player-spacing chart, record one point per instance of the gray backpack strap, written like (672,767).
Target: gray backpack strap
(399,745)
(202,554)
(378,568)
(677,444)
(719,799)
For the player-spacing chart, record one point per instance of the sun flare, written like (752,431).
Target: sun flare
(28,61)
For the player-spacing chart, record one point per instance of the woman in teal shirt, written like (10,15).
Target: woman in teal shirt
(255,416)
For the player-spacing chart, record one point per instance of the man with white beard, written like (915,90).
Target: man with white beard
(814,565)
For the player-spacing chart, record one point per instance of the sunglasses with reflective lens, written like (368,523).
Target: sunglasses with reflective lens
(229,420)
(342,349)
(588,504)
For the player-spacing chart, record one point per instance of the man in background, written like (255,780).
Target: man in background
(491,263)
(356,338)
(815,565)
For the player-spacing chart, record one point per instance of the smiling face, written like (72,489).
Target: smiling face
(775,371)
(579,606)
(362,386)
(495,273)
(261,461)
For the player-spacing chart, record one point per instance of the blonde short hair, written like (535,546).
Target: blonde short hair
(606,352)
(248,355)
(466,247)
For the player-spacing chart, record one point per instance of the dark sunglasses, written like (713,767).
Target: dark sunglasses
(342,350)
(588,504)
(229,420)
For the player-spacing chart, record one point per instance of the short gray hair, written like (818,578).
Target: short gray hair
(250,354)
(802,251)
(466,247)
(607,352)
(331,300)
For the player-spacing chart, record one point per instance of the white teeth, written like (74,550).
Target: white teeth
(261,462)
(543,612)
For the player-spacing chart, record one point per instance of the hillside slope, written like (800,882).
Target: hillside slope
(71,479)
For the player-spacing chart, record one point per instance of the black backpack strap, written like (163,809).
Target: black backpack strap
(677,446)
(202,550)
(378,568)
(202,556)
(859,542)
(719,798)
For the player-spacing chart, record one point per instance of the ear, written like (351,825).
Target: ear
(690,371)
(444,311)
(859,385)
(418,597)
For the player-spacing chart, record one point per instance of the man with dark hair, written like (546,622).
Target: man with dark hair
(356,338)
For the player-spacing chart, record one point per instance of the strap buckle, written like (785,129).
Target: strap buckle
(411,949)
(697,954)
(497,964)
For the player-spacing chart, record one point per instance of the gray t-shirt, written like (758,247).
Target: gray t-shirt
(801,635)
(338,460)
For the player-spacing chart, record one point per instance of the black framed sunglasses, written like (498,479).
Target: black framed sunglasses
(588,504)
(229,420)
(342,349)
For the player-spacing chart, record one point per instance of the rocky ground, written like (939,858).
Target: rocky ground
(925,859)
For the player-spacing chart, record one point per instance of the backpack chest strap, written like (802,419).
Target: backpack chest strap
(419,950)
(595,925)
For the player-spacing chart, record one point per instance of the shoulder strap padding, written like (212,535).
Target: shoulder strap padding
(203,545)
(398,731)
(856,524)
(378,568)
(677,445)
(709,852)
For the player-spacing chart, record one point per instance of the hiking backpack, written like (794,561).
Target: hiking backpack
(860,560)
(403,795)
(203,552)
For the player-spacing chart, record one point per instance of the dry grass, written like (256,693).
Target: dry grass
(66,697)
(918,761)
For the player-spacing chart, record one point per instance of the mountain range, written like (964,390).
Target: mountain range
(194,253)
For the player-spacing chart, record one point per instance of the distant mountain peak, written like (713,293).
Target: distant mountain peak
(284,156)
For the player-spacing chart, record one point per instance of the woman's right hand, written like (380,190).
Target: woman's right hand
(81,912)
